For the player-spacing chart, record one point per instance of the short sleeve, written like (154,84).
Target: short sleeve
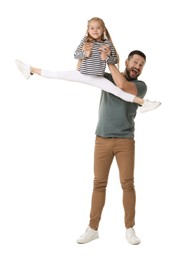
(141,87)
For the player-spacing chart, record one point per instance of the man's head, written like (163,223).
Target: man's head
(134,64)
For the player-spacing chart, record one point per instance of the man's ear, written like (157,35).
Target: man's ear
(126,62)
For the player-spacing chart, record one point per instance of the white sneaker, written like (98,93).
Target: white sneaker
(89,235)
(131,237)
(149,105)
(23,68)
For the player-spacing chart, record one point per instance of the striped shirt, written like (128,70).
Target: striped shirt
(93,65)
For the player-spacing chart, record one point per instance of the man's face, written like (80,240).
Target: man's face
(134,66)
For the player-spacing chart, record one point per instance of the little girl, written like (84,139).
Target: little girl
(93,53)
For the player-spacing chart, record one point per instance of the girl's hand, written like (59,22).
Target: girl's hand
(87,48)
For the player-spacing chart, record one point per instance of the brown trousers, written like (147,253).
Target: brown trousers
(123,149)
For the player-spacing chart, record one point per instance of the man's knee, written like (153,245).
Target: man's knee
(128,184)
(100,185)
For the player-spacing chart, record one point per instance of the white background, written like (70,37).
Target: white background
(47,133)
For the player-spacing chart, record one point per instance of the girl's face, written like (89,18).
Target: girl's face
(95,30)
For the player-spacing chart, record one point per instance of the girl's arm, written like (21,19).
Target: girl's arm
(112,58)
(79,53)
(84,50)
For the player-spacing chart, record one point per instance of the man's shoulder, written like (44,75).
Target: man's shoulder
(141,87)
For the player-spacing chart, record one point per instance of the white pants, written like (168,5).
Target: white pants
(96,81)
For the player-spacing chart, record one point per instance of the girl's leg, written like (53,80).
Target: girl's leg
(96,81)
(35,71)
(138,100)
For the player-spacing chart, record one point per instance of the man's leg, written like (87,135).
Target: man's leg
(103,157)
(124,152)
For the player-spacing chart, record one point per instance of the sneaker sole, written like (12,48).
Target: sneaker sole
(25,72)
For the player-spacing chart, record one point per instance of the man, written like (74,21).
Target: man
(115,138)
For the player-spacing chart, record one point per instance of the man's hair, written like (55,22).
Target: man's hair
(138,53)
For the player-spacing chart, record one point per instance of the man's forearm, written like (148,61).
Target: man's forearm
(118,78)
(121,81)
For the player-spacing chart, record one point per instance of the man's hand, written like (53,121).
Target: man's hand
(105,52)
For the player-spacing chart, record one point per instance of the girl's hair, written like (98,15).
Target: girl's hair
(106,34)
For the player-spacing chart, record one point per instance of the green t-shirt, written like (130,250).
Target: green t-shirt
(116,116)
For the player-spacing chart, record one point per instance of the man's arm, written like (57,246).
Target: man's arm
(121,81)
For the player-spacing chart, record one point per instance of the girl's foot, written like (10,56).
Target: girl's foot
(24,69)
(149,105)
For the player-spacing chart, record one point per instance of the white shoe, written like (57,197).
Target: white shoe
(23,68)
(131,237)
(149,105)
(89,235)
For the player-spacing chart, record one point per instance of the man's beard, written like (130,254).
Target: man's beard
(128,75)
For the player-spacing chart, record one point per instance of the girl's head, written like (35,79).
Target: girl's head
(96,30)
